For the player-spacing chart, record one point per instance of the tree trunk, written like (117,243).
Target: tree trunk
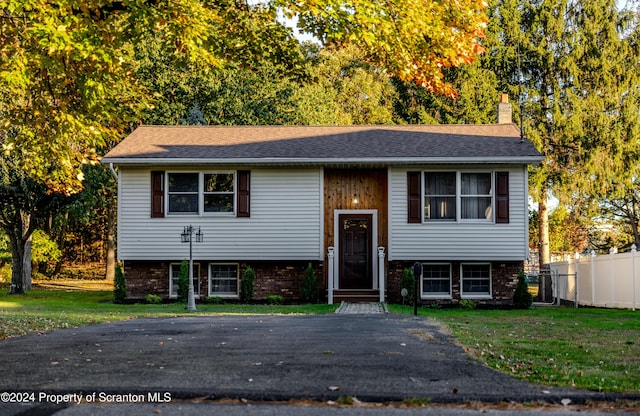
(633,220)
(17,257)
(61,240)
(20,237)
(111,243)
(545,291)
(26,266)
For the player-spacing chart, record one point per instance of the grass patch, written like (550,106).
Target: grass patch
(587,348)
(45,310)
(417,401)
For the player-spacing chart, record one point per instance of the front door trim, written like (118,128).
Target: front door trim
(374,243)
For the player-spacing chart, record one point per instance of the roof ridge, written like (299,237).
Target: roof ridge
(262,126)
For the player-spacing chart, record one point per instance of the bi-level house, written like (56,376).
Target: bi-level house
(360,203)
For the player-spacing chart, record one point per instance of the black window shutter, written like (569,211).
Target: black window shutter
(157,194)
(502,197)
(414,198)
(244,181)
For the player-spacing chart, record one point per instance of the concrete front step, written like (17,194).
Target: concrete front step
(355,296)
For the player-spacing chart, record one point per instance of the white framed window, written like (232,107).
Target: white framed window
(223,280)
(475,280)
(201,193)
(174,272)
(218,192)
(440,196)
(458,196)
(476,199)
(182,192)
(436,280)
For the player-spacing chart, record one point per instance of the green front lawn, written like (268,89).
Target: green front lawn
(587,348)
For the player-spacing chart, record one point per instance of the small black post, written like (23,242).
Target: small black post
(417,274)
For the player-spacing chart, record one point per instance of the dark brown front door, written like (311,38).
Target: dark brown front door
(355,251)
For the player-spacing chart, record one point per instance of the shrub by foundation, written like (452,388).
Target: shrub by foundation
(247,284)
(153,299)
(309,288)
(522,299)
(214,300)
(119,286)
(183,281)
(275,299)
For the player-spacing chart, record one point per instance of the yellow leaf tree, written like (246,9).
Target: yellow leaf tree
(66,74)
(413,39)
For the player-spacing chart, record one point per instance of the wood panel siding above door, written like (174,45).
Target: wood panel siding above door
(368,185)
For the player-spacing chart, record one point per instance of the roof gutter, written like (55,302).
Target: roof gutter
(318,161)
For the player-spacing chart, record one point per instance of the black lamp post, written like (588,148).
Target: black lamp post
(187,237)
(417,274)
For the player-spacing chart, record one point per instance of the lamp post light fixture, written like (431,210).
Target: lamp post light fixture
(187,237)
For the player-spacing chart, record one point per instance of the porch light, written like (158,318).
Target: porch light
(187,237)
(355,198)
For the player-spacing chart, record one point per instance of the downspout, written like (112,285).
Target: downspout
(113,172)
(112,229)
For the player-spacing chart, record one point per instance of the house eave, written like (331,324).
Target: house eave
(510,160)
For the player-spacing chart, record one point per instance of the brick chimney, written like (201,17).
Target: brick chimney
(504,110)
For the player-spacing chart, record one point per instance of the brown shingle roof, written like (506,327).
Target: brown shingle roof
(330,144)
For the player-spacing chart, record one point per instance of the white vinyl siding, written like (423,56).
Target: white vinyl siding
(285,222)
(462,240)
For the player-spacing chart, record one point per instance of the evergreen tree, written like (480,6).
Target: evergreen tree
(247,285)
(309,287)
(195,116)
(574,65)
(183,281)
(119,285)
(522,299)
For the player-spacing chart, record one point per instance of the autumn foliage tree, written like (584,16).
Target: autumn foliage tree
(66,73)
(413,39)
(67,90)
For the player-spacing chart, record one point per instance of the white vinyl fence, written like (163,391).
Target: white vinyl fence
(611,281)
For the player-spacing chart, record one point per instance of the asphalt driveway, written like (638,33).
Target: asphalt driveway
(371,357)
